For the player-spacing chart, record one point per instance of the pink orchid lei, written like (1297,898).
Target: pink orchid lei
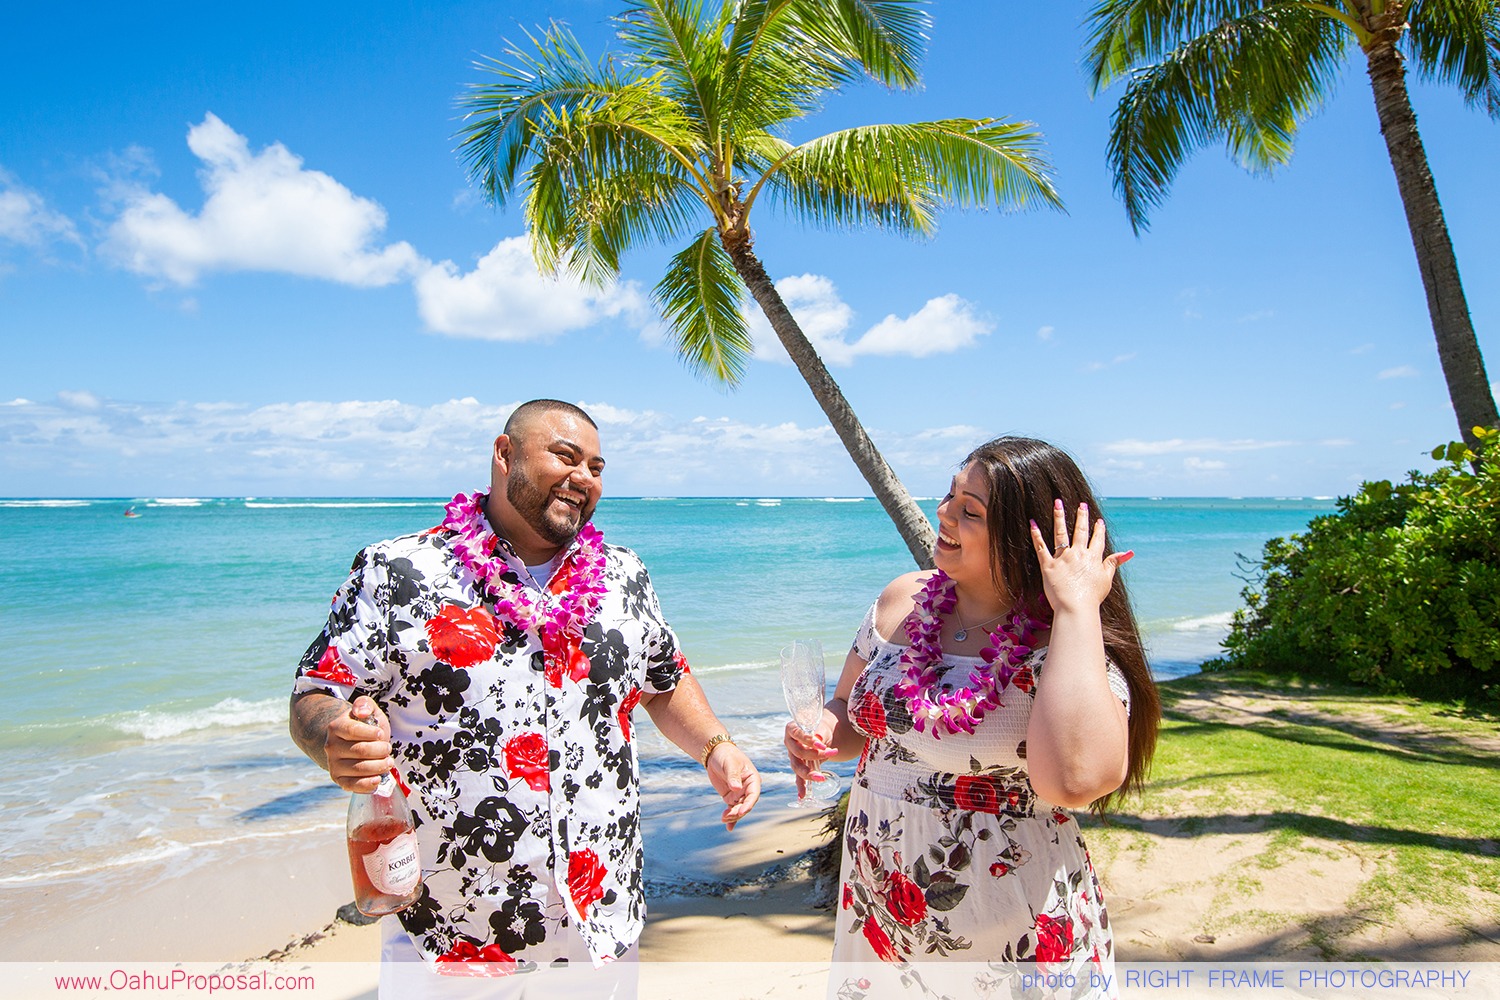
(960,710)
(569,603)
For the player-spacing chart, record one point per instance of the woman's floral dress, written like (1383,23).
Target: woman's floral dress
(948,852)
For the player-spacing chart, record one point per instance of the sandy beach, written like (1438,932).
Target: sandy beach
(1186,880)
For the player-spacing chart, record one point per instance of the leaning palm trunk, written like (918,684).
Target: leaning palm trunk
(893,496)
(693,119)
(1458,348)
(1250,71)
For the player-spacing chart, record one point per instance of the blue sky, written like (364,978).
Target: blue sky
(238,256)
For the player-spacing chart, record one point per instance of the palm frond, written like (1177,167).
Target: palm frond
(604,181)
(670,37)
(884,38)
(1458,42)
(1248,81)
(502,118)
(898,175)
(1123,34)
(772,74)
(700,296)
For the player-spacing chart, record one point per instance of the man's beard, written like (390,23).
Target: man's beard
(532,504)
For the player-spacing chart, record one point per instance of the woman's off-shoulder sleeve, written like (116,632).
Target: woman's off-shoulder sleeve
(866,638)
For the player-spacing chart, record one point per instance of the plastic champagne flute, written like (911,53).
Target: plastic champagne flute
(802,682)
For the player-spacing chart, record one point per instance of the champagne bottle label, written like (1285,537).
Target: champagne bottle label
(393,868)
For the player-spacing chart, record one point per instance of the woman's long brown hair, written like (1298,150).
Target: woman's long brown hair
(1026,477)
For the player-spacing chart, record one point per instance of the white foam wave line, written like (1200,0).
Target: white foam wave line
(341,506)
(1222,620)
(176,502)
(226,713)
(768,502)
(843,499)
(170,849)
(724,668)
(45,503)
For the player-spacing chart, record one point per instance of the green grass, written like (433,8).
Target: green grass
(1412,787)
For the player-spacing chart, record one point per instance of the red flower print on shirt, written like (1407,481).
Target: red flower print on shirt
(526,757)
(585,875)
(905,900)
(330,668)
(681,661)
(879,941)
(1000,869)
(627,705)
(461,959)
(977,794)
(565,656)
(1054,938)
(869,715)
(462,637)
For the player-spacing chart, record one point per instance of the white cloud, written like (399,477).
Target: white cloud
(26,219)
(1404,371)
(1195,464)
(1257,316)
(81,400)
(943,325)
(506,298)
(1363,349)
(1134,446)
(392,448)
(262,212)
(1118,359)
(1045,333)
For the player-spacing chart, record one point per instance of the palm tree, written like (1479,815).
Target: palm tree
(1247,72)
(689,127)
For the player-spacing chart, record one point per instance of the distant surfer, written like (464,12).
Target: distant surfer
(130,512)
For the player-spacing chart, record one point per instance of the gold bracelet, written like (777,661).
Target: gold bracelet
(708,748)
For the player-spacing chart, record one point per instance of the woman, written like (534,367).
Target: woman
(985,699)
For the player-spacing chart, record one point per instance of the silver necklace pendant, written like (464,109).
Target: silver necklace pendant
(961,635)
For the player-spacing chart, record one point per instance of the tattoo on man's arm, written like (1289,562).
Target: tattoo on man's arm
(311,715)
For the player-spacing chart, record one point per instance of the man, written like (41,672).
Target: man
(501,655)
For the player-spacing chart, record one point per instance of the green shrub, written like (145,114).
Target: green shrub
(1399,590)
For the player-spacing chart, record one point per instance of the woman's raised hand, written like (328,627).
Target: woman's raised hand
(1076,574)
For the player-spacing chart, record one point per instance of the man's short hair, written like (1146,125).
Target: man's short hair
(537,407)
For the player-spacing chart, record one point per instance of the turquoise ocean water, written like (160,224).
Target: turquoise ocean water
(148,659)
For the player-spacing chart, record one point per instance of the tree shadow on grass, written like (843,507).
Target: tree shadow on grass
(1183,827)
(1342,733)
(1441,747)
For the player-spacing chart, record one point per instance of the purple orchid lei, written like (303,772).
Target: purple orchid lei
(960,710)
(567,605)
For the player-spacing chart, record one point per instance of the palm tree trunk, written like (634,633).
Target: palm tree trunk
(1458,348)
(908,517)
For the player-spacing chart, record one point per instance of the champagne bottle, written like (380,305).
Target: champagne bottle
(383,857)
